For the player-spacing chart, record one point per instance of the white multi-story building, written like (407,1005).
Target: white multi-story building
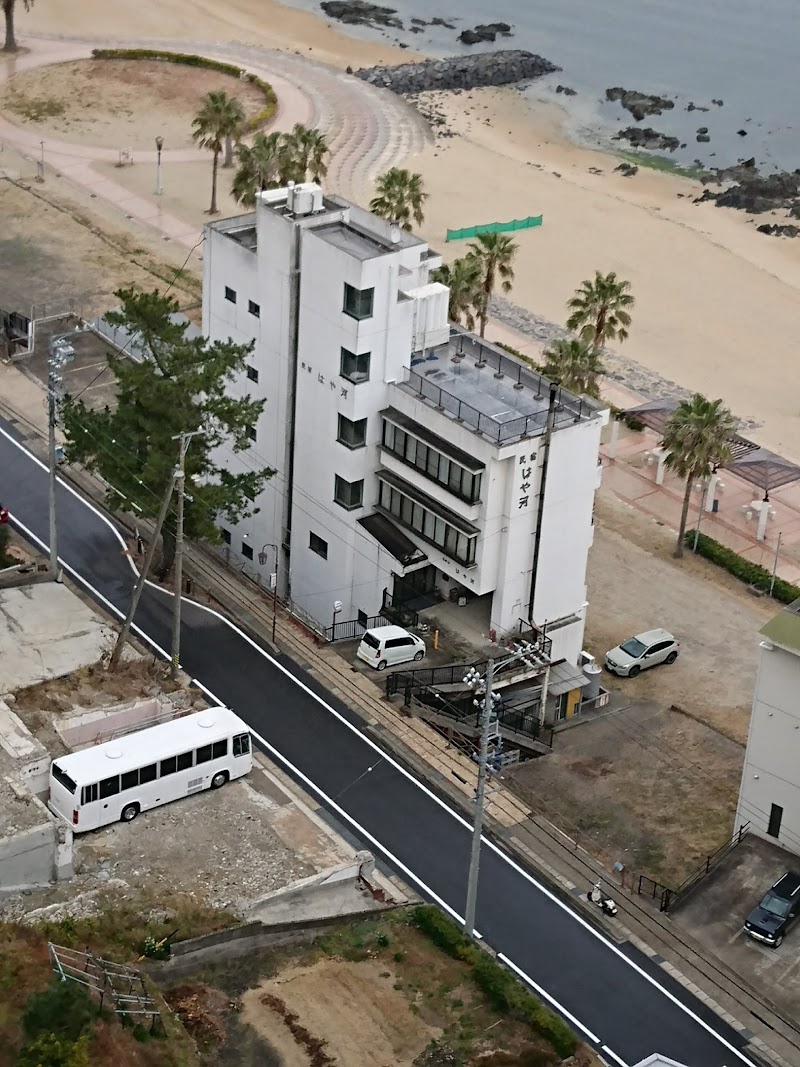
(411,458)
(769,798)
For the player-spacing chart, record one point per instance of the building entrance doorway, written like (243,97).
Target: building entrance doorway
(417,589)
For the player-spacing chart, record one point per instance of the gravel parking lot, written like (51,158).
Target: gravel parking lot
(635,585)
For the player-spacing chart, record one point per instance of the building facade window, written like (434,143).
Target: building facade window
(355,368)
(252,433)
(455,544)
(316,544)
(352,434)
(230,294)
(252,373)
(462,483)
(358,302)
(348,494)
(226,536)
(254,309)
(363,619)
(247,550)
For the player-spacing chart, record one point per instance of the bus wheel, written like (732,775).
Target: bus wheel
(219,779)
(129,813)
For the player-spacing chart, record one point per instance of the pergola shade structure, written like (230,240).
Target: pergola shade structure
(748,460)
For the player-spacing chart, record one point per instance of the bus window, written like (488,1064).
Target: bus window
(89,793)
(148,774)
(130,779)
(109,787)
(241,744)
(203,754)
(62,778)
(185,760)
(168,766)
(220,749)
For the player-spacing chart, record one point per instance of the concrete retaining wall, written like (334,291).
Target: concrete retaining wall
(190,956)
(28,858)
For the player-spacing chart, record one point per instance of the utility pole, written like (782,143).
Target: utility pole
(137,592)
(480,799)
(58,353)
(488,700)
(180,481)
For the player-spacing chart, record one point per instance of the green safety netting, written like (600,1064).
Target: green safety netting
(495,227)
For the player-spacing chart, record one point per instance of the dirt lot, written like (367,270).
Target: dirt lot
(54,257)
(645,786)
(714,914)
(364,1019)
(118,103)
(369,994)
(635,584)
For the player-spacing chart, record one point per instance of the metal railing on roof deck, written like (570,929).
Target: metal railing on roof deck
(569,409)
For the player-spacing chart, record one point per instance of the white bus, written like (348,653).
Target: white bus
(118,779)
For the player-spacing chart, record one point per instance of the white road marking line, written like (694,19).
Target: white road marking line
(613,1055)
(279,666)
(550,1000)
(736,936)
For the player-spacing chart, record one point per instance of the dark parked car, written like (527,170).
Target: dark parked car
(778,910)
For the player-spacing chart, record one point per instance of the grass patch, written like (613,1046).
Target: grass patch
(35,109)
(189,60)
(664,164)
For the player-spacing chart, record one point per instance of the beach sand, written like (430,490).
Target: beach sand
(716,302)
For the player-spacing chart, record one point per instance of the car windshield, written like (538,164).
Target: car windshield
(634,647)
(776,905)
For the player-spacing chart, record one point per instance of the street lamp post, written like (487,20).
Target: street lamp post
(159,146)
(262,559)
(486,699)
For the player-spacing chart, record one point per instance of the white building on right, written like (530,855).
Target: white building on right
(769,798)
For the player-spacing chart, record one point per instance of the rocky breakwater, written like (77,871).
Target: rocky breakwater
(460,72)
(640,105)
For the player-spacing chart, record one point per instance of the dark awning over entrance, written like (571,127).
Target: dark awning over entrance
(392,539)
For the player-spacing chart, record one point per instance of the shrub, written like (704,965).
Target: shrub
(188,60)
(750,573)
(63,1009)
(443,932)
(50,1050)
(494,981)
(546,1023)
(6,560)
(629,420)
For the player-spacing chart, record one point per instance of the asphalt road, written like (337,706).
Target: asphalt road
(620,1001)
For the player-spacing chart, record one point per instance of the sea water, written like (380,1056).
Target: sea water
(743,52)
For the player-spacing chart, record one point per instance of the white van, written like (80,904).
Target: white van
(386,645)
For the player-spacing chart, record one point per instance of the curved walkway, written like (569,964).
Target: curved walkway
(368,130)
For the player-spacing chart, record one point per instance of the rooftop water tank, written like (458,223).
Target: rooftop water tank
(591,687)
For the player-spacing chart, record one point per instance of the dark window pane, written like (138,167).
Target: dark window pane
(352,434)
(148,774)
(354,367)
(230,294)
(109,787)
(63,778)
(185,760)
(168,766)
(316,544)
(130,779)
(204,754)
(358,302)
(89,794)
(362,618)
(348,494)
(254,308)
(252,373)
(226,536)
(219,749)
(241,744)
(247,550)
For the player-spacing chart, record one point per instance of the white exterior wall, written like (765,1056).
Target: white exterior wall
(771,772)
(357,569)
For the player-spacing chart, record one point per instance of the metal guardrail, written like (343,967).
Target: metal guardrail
(669,898)
(352,628)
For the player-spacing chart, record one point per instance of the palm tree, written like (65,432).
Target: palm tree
(399,197)
(259,167)
(234,132)
(696,438)
(463,279)
(306,150)
(495,255)
(601,309)
(8,12)
(576,365)
(219,116)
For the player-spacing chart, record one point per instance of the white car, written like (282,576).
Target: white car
(640,652)
(387,645)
